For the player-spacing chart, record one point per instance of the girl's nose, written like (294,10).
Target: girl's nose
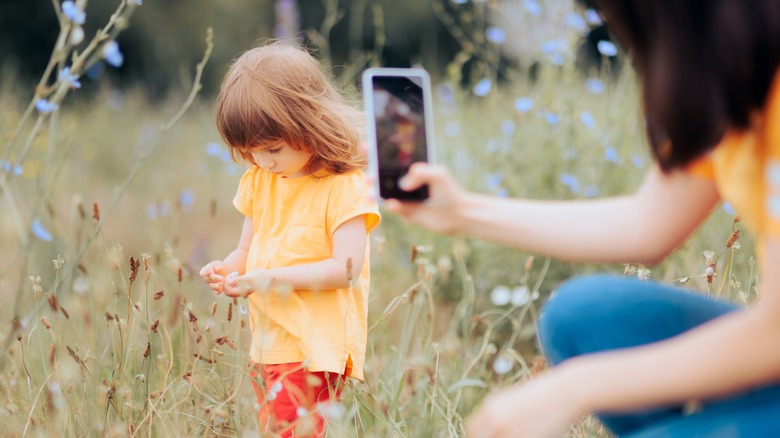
(267,164)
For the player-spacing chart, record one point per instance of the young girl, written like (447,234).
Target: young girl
(638,352)
(303,257)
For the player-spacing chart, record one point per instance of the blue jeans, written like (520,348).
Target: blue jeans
(599,313)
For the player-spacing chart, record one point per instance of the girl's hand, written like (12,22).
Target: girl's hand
(437,213)
(241,286)
(214,275)
(542,408)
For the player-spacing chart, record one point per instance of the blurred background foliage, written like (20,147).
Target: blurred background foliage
(162,42)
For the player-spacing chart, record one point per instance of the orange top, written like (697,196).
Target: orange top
(746,168)
(293,223)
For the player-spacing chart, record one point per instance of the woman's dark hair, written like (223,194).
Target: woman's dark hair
(705,66)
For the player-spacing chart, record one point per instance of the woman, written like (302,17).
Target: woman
(633,352)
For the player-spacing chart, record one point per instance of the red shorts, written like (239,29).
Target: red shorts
(288,396)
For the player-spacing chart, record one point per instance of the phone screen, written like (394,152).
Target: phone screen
(400,127)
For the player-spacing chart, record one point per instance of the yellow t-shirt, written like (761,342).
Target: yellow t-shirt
(746,168)
(293,223)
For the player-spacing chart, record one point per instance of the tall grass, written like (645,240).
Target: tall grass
(109,331)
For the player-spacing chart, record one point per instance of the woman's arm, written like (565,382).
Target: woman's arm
(736,352)
(643,227)
(349,243)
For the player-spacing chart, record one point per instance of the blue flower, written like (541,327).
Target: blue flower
(73,12)
(452,129)
(571,182)
(553,46)
(595,86)
(591,192)
(728,208)
(72,80)
(40,232)
(592,17)
(508,127)
(112,54)
(44,106)
(482,88)
(96,70)
(611,155)
(213,149)
(637,161)
(606,48)
(575,21)
(552,119)
(588,120)
(495,35)
(532,7)
(446,94)
(459,2)
(13,169)
(187,200)
(524,104)
(136,2)
(494,180)
(502,193)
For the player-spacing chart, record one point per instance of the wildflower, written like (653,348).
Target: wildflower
(520,296)
(495,35)
(571,182)
(607,48)
(301,411)
(44,106)
(503,364)
(80,285)
(642,273)
(213,149)
(637,161)
(482,88)
(40,231)
(587,120)
(575,21)
(611,155)
(552,119)
(591,191)
(140,378)
(73,12)
(136,2)
(243,310)
(595,86)
(728,208)
(112,54)
(592,17)
(187,200)
(331,410)
(76,35)
(733,239)
(13,169)
(46,323)
(550,47)
(524,104)
(494,180)
(500,295)
(288,21)
(69,78)
(58,262)
(452,129)
(508,127)
(532,7)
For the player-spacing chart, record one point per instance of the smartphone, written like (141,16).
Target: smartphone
(400,127)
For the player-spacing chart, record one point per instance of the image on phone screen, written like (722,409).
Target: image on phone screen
(398,118)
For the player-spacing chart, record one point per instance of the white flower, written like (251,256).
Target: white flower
(332,410)
(607,48)
(520,296)
(503,364)
(501,295)
(301,411)
(495,35)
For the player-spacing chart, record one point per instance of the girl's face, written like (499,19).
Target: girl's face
(280,158)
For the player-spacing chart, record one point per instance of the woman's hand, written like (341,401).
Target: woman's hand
(438,212)
(214,274)
(542,408)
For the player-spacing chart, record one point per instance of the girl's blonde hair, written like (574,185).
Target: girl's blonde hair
(279,91)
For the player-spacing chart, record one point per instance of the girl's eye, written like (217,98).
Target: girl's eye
(274,151)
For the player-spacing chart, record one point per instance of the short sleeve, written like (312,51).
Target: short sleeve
(244,199)
(772,165)
(702,167)
(351,197)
